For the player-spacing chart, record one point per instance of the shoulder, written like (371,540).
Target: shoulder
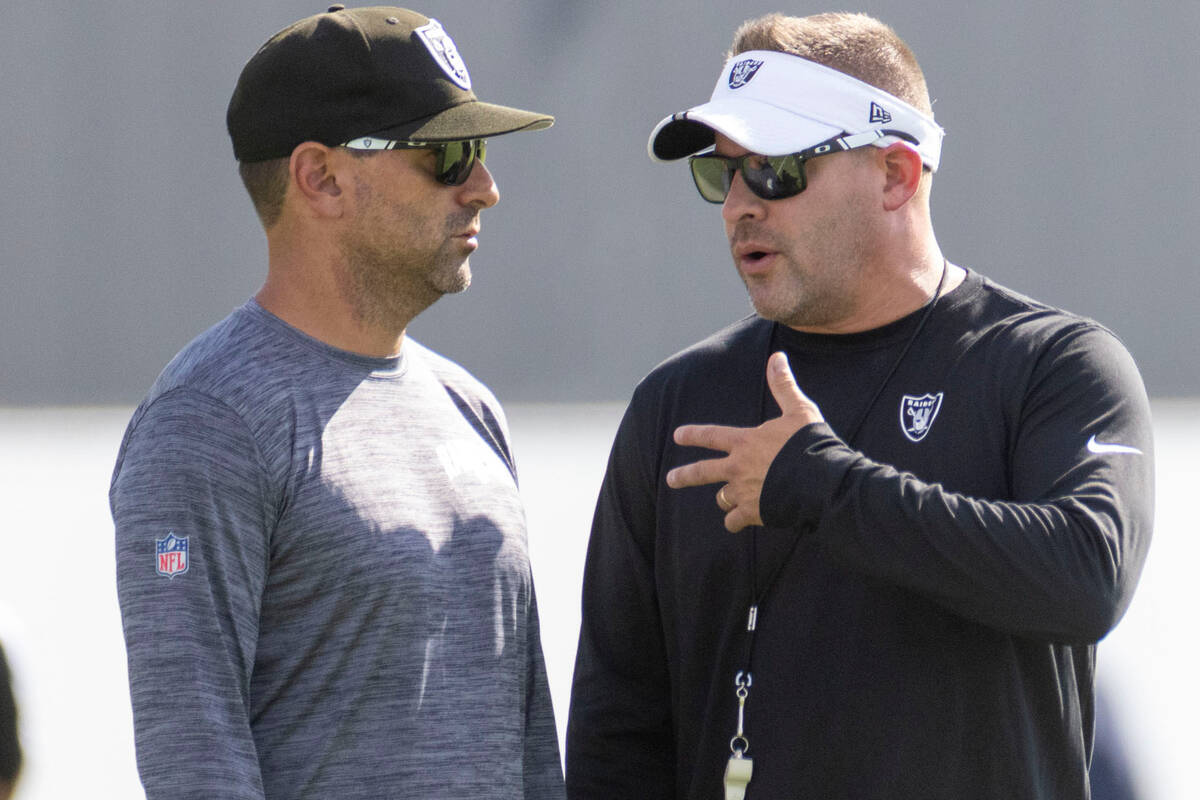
(720,379)
(239,355)
(452,375)
(1030,343)
(229,385)
(1001,305)
(1000,316)
(720,357)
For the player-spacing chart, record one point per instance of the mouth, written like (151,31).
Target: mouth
(752,259)
(468,237)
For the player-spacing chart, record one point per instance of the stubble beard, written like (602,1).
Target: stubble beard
(813,286)
(814,294)
(804,301)
(389,278)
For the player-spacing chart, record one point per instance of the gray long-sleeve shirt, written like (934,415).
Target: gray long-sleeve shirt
(324,578)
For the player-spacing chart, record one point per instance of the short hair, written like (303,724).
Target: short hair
(856,44)
(266,182)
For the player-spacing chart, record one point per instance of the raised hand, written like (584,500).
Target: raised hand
(749,451)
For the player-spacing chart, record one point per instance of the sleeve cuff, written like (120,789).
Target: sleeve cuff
(804,476)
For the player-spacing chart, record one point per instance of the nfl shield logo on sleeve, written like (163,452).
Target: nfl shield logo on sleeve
(172,555)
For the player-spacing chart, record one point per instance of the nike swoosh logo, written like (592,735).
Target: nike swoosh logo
(1104,447)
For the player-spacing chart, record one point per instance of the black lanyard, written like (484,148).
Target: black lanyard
(744,679)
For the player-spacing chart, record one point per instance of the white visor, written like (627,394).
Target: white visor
(775,104)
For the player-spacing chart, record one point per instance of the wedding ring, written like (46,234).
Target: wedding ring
(723,501)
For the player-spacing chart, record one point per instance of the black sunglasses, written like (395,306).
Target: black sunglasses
(772,177)
(455,160)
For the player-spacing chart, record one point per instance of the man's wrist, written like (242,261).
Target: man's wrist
(803,476)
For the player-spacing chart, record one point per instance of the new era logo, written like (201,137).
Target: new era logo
(879,114)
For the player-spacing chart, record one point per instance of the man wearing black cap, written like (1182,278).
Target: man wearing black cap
(321,551)
(891,583)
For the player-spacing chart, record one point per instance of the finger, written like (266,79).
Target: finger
(783,385)
(698,473)
(742,517)
(739,519)
(711,437)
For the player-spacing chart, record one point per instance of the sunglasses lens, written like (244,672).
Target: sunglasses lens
(713,175)
(774,177)
(456,159)
(769,177)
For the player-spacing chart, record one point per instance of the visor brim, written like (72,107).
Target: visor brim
(745,122)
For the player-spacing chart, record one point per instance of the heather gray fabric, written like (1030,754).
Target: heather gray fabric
(354,614)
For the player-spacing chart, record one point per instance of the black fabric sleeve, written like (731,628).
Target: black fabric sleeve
(1058,560)
(619,733)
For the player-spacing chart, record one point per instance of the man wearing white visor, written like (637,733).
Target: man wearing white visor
(862,543)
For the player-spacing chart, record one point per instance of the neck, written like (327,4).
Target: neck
(903,268)
(328,320)
(887,292)
(302,289)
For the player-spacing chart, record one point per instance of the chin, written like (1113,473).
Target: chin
(769,310)
(458,282)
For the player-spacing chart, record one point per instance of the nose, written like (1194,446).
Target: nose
(741,203)
(479,190)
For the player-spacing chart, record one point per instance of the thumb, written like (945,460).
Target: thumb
(783,385)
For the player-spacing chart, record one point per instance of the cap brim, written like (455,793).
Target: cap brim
(758,127)
(470,120)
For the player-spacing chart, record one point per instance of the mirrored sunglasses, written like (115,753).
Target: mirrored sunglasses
(772,177)
(454,159)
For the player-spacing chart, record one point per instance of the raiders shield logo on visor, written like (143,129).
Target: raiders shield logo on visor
(742,72)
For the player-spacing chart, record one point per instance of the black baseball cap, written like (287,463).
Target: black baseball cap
(381,71)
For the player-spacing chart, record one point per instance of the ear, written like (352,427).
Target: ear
(903,169)
(317,179)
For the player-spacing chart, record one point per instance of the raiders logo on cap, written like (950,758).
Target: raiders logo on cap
(442,48)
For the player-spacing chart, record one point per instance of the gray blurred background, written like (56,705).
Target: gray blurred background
(1065,175)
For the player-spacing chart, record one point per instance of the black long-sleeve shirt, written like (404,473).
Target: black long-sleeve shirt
(942,579)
